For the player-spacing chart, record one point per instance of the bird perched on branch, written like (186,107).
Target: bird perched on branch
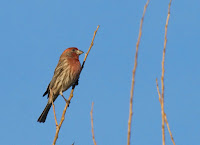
(65,75)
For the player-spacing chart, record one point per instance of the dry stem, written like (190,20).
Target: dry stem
(165,114)
(133,76)
(54,112)
(92,43)
(92,125)
(71,94)
(162,77)
(170,133)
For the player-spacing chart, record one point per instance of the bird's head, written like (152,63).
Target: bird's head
(72,52)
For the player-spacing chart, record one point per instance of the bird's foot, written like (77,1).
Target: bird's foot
(68,102)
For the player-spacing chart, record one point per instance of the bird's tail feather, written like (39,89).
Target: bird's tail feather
(44,114)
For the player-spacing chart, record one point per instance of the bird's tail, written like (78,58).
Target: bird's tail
(44,114)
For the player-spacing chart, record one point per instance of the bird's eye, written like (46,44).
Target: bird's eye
(73,50)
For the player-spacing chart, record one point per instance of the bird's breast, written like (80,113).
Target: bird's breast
(71,75)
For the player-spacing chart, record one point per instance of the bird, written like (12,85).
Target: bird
(66,74)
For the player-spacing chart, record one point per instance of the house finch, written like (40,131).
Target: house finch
(65,75)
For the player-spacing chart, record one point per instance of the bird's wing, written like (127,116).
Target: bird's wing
(58,73)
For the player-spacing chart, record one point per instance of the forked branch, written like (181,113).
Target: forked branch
(159,97)
(71,94)
(162,76)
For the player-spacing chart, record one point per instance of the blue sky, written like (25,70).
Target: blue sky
(33,34)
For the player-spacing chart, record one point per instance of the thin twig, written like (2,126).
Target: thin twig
(133,76)
(59,126)
(71,94)
(92,125)
(54,112)
(170,133)
(92,43)
(165,114)
(162,77)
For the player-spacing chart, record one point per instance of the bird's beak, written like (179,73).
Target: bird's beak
(79,52)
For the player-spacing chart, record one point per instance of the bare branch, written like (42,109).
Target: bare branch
(133,76)
(162,77)
(92,43)
(170,133)
(165,114)
(92,125)
(54,112)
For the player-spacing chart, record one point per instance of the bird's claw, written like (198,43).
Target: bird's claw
(68,102)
